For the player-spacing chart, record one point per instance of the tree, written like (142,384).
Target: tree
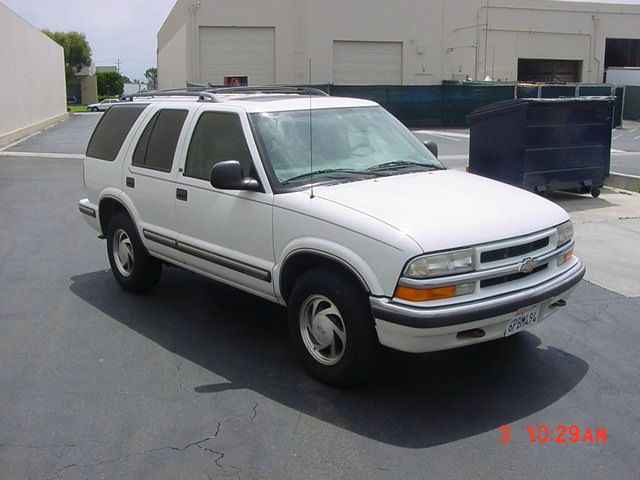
(110,83)
(77,52)
(126,79)
(152,76)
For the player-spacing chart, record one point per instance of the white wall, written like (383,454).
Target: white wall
(32,84)
(442,39)
(172,61)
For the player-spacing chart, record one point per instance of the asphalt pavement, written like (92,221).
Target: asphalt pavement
(197,380)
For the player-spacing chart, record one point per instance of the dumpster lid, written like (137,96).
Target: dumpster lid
(522,103)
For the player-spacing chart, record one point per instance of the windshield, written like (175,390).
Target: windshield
(347,143)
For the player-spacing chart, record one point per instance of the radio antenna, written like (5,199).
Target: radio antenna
(310,129)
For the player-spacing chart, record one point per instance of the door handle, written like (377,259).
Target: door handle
(131,182)
(181,194)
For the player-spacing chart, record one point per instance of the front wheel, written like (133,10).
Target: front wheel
(135,270)
(332,327)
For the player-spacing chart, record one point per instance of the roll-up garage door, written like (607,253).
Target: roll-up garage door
(237,52)
(367,63)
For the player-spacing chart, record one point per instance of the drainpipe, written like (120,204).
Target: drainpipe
(193,9)
(475,73)
(596,23)
(486,40)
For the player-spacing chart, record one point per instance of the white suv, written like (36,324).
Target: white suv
(331,207)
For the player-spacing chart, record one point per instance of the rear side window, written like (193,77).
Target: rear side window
(217,137)
(157,145)
(109,135)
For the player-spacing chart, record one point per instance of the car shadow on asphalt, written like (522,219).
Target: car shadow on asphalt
(416,401)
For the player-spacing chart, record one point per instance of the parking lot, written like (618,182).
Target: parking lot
(198,380)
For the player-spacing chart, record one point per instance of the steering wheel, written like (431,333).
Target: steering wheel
(361,146)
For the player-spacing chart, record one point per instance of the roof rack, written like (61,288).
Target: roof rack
(209,94)
(269,89)
(173,92)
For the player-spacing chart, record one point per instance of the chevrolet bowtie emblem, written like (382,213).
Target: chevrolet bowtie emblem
(528,265)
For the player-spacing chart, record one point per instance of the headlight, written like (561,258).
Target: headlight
(441,264)
(565,233)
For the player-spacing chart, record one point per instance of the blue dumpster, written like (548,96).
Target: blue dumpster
(544,144)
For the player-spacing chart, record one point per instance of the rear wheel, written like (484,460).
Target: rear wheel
(134,269)
(332,327)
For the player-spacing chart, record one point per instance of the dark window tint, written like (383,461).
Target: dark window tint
(109,135)
(157,145)
(218,137)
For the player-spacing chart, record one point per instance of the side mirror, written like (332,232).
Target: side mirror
(229,176)
(432,147)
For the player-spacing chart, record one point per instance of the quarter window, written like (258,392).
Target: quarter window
(218,137)
(157,145)
(109,135)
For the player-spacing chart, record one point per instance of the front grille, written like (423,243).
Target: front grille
(510,278)
(513,251)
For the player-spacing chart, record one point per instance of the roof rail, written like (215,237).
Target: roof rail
(173,92)
(269,89)
(209,94)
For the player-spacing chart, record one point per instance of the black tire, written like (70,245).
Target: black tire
(144,270)
(360,350)
(94,109)
(595,192)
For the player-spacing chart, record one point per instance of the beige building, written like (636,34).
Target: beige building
(85,87)
(410,42)
(32,81)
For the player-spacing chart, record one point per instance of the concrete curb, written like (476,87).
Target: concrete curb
(624,182)
(20,134)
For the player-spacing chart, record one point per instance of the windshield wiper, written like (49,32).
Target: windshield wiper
(396,164)
(326,171)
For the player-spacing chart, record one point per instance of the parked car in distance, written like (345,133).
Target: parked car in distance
(103,105)
(331,207)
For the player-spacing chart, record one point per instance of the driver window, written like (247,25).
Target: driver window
(218,137)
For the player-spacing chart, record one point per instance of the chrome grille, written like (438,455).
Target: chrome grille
(490,282)
(513,250)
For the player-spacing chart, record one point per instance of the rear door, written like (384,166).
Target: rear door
(150,175)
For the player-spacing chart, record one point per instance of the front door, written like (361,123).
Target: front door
(225,234)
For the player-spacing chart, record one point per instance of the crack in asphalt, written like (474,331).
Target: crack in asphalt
(587,323)
(126,457)
(50,445)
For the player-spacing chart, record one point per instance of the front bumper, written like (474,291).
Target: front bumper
(414,329)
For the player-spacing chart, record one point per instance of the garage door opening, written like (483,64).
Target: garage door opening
(549,71)
(237,55)
(622,52)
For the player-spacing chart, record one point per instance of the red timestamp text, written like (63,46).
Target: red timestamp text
(558,434)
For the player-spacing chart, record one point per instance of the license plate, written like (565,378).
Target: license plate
(523,319)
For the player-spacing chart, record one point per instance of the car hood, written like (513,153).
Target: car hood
(447,209)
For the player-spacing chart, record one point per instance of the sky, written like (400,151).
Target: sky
(124,29)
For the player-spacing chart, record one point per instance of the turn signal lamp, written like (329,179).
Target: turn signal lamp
(438,293)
